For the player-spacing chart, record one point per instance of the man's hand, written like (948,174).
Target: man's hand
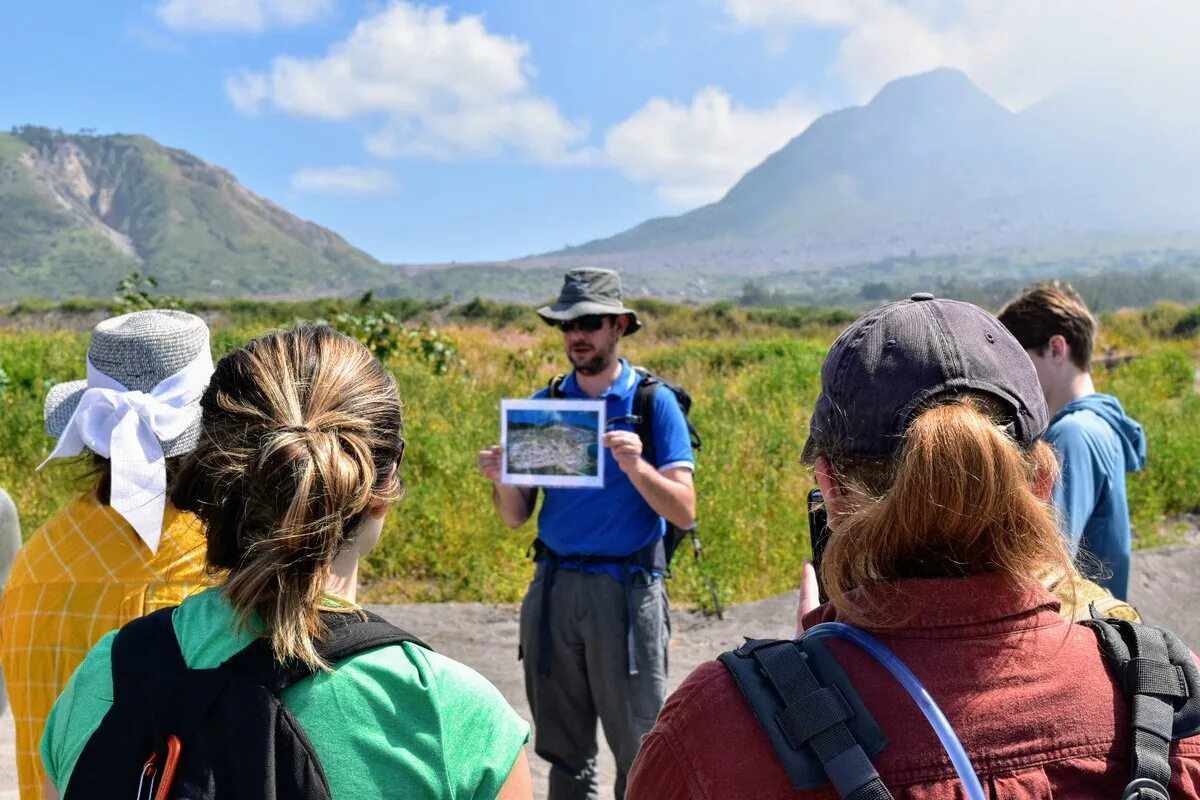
(626,447)
(513,503)
(490,461)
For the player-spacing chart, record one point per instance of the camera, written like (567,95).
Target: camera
(818,533)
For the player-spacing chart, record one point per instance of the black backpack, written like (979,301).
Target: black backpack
(187,734)
(822,733)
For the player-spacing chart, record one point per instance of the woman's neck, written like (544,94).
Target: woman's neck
(342,580)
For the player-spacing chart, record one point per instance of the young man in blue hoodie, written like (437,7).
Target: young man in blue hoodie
(1097,442)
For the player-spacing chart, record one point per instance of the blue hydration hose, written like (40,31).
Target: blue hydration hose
(916,690)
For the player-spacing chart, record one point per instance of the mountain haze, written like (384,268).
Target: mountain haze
(932,164)
(78,212)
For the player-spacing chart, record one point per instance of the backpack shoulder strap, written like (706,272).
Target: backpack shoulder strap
(555,386)
(643,409)
(816,722)
(349,634)
(1156,673)
(146,659)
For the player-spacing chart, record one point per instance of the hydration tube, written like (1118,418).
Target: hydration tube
(916,690)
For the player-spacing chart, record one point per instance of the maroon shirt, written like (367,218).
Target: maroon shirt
(1026,691)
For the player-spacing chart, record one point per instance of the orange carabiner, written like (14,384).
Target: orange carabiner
(174,748)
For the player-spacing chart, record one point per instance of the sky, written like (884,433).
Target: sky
(496,129)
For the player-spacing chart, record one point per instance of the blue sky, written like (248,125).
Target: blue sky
(486,130)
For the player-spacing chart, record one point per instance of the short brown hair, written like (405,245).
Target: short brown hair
(1052,308)
(301,436)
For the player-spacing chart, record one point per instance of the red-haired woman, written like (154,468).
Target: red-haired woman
(926,442)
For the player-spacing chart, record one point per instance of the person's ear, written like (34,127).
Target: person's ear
(825,478)
(1060,351)
(621,323)
(831,490)
(1043,484)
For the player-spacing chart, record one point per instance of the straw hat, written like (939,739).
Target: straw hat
(139,351)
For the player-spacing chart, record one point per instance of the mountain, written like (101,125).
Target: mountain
(79,212)
(933,165)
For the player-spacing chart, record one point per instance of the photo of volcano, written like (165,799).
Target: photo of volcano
(553,443)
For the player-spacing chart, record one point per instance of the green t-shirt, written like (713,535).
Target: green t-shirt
(396,721)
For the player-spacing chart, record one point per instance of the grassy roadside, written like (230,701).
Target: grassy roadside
(753,374)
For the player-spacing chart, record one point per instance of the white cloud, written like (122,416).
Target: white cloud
(766,13)
(344,180)
(695,153)
(1019,51)
(438,87)
(247,91)
(240,15)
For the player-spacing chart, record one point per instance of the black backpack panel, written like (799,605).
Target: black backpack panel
(1157,675)
(237,740)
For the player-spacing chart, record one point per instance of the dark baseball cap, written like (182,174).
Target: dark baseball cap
(899,356)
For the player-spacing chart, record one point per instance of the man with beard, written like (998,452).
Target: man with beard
(594,623)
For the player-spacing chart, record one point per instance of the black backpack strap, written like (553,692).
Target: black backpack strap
(148,671)
(1157,675)
(146,659)
(643,409)
(555,386)
(819,728)
(349,634)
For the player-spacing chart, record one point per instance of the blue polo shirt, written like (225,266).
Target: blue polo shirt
(615,520)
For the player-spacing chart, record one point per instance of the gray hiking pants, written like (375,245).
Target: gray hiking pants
(589,673)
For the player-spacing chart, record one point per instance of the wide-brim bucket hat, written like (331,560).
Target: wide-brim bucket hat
(588,291)
(139,351)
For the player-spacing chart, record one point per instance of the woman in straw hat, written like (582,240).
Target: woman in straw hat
(926,442)
(293,477)
(120,549)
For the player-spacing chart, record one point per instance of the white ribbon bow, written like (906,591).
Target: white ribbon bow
(127,427)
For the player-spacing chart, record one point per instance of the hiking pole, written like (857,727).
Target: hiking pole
(704,576)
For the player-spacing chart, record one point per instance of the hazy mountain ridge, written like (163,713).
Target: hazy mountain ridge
(77,212)
(932,164)
(930,184)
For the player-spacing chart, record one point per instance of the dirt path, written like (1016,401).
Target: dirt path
(1166,589)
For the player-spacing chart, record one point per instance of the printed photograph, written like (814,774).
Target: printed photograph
(552,443)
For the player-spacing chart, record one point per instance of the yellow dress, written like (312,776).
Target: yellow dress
(84,573)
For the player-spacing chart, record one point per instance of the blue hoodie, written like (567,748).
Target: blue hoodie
(1097,444)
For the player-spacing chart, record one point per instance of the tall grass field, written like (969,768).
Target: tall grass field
(754,375)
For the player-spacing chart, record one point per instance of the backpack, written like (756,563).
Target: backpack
(822,733)
(194,734)
(643,423)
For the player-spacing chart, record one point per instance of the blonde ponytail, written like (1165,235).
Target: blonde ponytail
(302,435)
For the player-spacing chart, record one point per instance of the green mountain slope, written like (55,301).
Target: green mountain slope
(78,212)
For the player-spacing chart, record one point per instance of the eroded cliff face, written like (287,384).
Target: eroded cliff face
(78,212)
(66,172)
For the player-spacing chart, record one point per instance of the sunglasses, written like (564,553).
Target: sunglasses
(589,324)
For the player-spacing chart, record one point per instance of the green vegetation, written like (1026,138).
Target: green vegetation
(753,374)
